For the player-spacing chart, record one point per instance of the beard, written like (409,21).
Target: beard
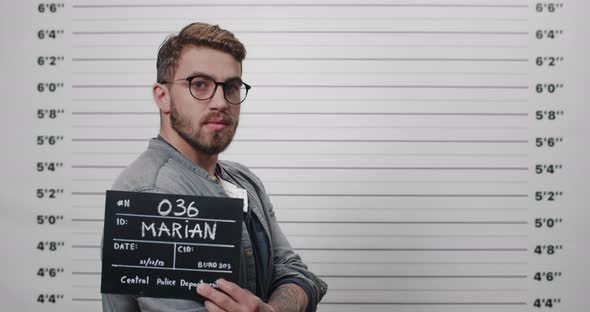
(207,143)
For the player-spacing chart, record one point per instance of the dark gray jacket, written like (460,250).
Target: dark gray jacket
(162,169)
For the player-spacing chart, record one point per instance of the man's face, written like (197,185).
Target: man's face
(207,125)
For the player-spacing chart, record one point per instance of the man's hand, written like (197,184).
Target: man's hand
(231,298)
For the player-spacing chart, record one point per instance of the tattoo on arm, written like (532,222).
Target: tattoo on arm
(288,298)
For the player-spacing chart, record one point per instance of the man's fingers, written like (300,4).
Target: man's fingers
(212,307)
(244,298)
(229,297)
(217,297)
(232,289)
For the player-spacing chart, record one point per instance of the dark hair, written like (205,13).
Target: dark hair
(196,34)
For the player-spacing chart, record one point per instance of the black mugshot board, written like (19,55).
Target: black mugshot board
(164,245)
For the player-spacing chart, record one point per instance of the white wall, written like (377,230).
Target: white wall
(397,140)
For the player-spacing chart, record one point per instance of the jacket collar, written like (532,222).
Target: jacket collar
(160,143)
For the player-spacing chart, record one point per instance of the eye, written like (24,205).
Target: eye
(233,85)
(201,83)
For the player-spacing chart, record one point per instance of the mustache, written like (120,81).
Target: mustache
(219,117)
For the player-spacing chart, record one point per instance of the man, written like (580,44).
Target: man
(198,92)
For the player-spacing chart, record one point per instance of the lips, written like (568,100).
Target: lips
(217,123)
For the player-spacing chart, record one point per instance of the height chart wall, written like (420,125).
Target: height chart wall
(421,155)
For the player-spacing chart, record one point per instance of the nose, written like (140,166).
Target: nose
(218,101)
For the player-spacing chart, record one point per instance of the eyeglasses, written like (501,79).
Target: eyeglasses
(203,87)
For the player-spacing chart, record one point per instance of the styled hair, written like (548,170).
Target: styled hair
(200,35)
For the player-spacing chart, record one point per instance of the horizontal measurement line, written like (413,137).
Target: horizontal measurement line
(374,235)
(316,140)
(332,127)
(151,126)
(325,113)
(369,249)
(109,140)
(392,289)
(338,86)
(281,18)
(385,44)
(399,195)
(396,59)
(332,99)
(324,45)
(364,32)
(382,141)
(373,73)
(400,59)
(438,5)
(396,86)
(421,303)
(115,113)
(330,73)
(384,208)
(356,182)
(345,168)
(376,181)
(406,222)
(390,168)
(420,263)
(88,220)
(321,128)
(325,72)
(403,236)
(359,222)
(423,276)
(422,289)
(411,249)
(364,303)
(338,100)
(362,276)
(87,299)
(381,262)
(331,18)
(376,153)
(339,153)
(360,208)
(361,195)
(388,113)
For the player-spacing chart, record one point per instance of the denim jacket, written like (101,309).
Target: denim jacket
(162,169)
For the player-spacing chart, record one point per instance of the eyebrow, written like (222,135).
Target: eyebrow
(197,73)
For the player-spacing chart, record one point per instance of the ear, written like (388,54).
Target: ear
(162,97)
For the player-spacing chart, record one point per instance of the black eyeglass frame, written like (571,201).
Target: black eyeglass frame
(217,83)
